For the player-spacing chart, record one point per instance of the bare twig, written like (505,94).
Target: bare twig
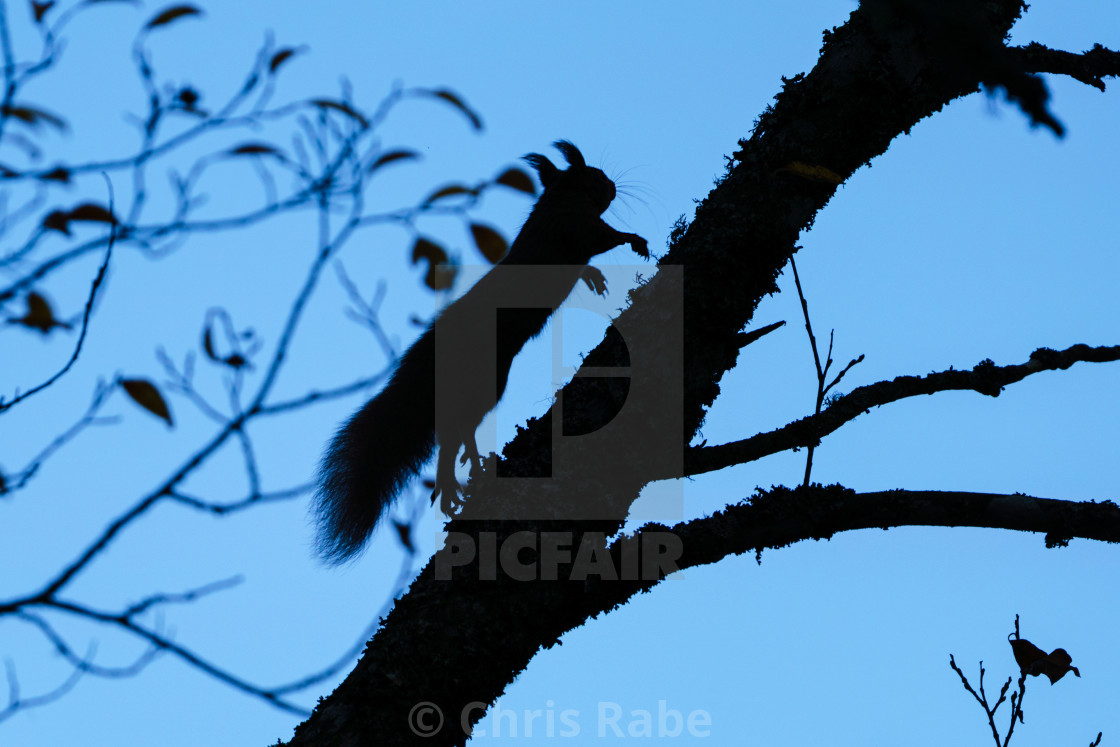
(822,371)
(4,406)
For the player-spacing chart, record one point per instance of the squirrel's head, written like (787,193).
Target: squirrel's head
(579,183)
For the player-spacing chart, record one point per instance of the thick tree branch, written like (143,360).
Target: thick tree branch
(780,517)
(985,378)
(1091,68)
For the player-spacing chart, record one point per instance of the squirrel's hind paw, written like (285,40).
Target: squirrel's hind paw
(595,279)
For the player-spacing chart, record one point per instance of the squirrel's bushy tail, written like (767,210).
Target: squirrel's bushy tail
(372,457)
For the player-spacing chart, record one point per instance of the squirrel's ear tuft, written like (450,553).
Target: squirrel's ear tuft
(545,168)
(571,153)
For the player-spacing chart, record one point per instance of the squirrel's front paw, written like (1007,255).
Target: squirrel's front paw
(595,280)
(639,245)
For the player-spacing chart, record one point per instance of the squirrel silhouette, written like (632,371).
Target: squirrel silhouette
(439,394)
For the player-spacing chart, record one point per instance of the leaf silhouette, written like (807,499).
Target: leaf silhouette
(57,174)
(453,98)
(1034,661)
(38,10)
(390,157)
(208,345)
(57,220)
(170,14)
(281,57)
(448,191)
(439,275)
(33,116)
(39,315)
(404,532)
(489,242)
(92,212)
(234,360)
(517,179)
(255,149)
(338,106)
(145,394)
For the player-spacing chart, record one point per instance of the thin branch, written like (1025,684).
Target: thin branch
(18,703)
(165,644)
(985,378)
(822,372)
(982,697)
(366,313)
(100,394)
(405,574)
(81,337)
(183,597)
(298,403)
(746,338)
(221,509)
(85,663)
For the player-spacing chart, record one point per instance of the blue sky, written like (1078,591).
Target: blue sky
(973,237)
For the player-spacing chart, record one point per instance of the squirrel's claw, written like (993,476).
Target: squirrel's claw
(639,245)
(450,503)
(595,279)
(449,500)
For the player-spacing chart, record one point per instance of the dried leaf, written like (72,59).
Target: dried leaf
(338,106)
(208,345)
(1034,661)
(1057,664)
(818,174)
(404,533)
(33,116)
(255,149)
(489,242)
(167,16)
(92,212)
(188,97)
(145,394)
(234,360)
(453,98)
(57,220)
(281,57)
(38,10)
(517,179)
(57,174)
(448,191)
(391,156)
(39,315)
(3,484)
(440,274)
